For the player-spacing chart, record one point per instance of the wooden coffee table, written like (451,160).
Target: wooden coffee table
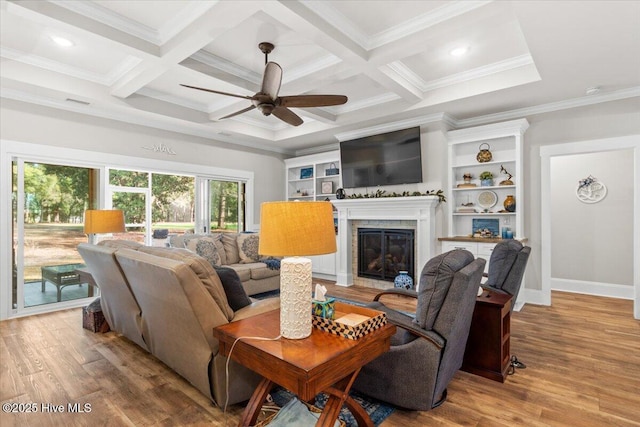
(322,362)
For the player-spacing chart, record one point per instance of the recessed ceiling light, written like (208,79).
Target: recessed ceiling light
(459,51)
(62,42)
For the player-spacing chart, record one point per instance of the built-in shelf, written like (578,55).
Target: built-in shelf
(321,185)
(322,182)
(504,140)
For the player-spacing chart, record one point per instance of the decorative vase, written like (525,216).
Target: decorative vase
(486,182)
(403,280)
(510,204)
(340,194)
(484,155)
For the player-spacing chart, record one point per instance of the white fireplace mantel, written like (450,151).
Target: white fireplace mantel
(420,209)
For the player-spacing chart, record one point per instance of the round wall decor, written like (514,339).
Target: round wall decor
(590,190)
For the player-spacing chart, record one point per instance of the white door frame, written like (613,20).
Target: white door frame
(584,147)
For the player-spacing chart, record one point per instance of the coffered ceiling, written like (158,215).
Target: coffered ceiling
(391,58)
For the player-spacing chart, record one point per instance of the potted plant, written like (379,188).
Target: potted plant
(486,179)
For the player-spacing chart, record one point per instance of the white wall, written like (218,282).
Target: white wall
(599,121)
(593,242)
(41,125)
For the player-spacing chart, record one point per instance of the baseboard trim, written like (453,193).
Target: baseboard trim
(535,296)
(609,290)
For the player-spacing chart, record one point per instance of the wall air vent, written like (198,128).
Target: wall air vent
(77,101)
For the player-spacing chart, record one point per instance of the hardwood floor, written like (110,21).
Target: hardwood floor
(582,356)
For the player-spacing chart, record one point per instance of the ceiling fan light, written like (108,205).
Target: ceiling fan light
(459,51)
(62,42)
(266,109)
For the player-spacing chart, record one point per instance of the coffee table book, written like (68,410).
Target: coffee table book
(351,321)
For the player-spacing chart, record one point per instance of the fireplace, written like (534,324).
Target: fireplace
(416,212)
(384,252)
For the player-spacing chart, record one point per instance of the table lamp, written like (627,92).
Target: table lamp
(103,221)
(295,229)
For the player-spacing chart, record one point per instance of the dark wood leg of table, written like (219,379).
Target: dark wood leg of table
(338,396)
(43,283)
(251,412)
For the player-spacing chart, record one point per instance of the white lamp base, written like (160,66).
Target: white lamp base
(295,297)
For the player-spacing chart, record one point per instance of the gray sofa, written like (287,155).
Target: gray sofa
(238,251)
(168,301)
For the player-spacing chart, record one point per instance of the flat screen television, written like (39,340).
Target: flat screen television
(384,159)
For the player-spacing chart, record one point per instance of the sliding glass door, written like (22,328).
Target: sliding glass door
(46,198)
(49,204)
(226,208)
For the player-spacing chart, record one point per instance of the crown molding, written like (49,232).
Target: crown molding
(180,21)
(108,79)
(165,97)
(397,32)
(424,21)
(367,102)
(414,79)
(226,66)
(476,73)
(309,67)
(142,119)
(551,107)
(393,126)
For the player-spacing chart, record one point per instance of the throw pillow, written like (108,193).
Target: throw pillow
(206,248)
(230,244)
(435,280)
(248,247)
(236,295)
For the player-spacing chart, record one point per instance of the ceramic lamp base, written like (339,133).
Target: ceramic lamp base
(295,298)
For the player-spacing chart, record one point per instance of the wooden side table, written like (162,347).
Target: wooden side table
(306,367)
(487,353)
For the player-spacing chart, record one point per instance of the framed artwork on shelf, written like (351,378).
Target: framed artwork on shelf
(486,227)
(306,173)
(327,187)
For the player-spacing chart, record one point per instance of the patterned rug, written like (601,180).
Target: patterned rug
(378,411)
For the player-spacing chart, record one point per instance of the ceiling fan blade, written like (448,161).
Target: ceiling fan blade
(271,80)
(217,91)
(287,115)
(238,112)
(312,100)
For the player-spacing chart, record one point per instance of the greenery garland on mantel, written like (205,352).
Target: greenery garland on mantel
(383,193)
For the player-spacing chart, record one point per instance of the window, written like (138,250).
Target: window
(44,200)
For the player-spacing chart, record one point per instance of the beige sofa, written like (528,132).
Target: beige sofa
(238,251)
(168,301)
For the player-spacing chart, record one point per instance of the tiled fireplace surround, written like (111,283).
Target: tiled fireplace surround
(416,213)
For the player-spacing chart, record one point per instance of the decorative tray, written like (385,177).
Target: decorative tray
(351,321)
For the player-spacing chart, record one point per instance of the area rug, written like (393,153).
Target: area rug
(378,411)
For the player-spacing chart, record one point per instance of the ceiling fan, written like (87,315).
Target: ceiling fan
(268,101)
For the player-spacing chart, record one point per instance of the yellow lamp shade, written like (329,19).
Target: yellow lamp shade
(296,229)
(103,221)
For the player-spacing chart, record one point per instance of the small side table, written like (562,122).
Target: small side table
(61,276)
(306,367)
(487,353)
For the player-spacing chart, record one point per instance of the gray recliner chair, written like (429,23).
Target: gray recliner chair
(427,350)
(506,268)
